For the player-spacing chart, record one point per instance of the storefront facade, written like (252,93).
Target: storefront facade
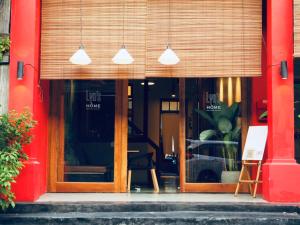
(45,90)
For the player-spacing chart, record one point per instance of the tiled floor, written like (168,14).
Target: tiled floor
(147,197)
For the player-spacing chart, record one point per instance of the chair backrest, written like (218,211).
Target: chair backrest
(255,143)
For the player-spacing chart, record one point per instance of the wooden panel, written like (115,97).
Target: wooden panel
(61,131)
(213,38)
(102,38)
(4,88)
(84,187)
(54,133)
(4,69)
(86,169)
(182,156)
(4,16)
(124,138)
(209,188)
(297,28)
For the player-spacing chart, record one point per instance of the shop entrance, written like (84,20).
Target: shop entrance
(153,134)
(87,136)
(175,135)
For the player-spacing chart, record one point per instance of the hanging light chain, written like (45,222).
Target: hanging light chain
(169,23)
(123,29)
(80,23)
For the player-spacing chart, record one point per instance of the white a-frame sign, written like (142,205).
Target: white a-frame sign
(252,156)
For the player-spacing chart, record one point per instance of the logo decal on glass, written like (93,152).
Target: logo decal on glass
(93,100)
(212,102)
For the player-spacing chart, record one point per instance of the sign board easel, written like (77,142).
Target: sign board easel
(252,156)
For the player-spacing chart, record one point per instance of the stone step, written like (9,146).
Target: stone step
(152,218)
(65,207)
(154,213)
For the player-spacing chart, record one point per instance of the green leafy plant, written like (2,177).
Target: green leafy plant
(4,46)
(263,115)
(15,132)
(225,128)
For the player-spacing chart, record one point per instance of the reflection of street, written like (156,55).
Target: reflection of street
(202,168)
(197,143)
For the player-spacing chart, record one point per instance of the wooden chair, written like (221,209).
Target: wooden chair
(252,156)
(138,163)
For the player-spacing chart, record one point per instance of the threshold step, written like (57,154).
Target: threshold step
(151,218)
(90,207)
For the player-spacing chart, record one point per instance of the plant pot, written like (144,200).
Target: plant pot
(230,177)
(5,59)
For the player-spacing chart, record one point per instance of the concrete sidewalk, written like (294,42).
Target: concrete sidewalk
(148,197)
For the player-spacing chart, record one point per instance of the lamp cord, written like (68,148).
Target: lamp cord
(169,23)
(39,85)
(123,30)
(80,22)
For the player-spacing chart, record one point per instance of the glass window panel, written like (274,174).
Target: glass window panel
(173,106)
(165,106)
(129,104)
(212,132)
(89,108)
(129,91)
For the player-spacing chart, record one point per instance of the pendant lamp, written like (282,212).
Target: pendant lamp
(123,57)
(168,57)
(80,57)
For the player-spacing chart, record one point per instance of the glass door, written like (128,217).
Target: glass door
(212,126)
(86,128)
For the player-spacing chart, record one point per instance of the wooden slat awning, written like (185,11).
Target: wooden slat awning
(213,38)
(297,28)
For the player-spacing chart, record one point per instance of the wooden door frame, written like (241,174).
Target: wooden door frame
(56,144)
(206,187)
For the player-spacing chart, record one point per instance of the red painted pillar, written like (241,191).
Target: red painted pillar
(281,174)
(25,46)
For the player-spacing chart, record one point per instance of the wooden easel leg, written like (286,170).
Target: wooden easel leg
(154,180)
(129,180)
(240,178)
(249,184)
(257,179)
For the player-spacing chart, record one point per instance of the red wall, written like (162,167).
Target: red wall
(25,38)
(281,174)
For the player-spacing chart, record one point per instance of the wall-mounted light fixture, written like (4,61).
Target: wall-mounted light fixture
(20,70)
(283,69)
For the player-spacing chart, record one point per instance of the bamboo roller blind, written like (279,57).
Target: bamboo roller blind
(102,38)
(213,38)
(297,28)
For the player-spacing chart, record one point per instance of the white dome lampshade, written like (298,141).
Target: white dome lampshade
(123,57)
(168,57)
(80,57)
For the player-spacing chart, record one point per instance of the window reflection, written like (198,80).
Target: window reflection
(213,130)
(89,108)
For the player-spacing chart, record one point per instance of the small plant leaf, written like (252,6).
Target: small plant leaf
(263,115)
(224,125)
(207,134)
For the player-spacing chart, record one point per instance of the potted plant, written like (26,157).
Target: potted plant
(4,49)
(15,132)
(226,130)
